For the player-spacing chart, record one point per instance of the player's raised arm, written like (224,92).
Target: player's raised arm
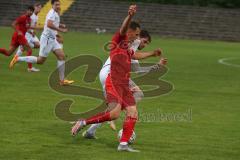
(143,55)
(52,26)
(131,12)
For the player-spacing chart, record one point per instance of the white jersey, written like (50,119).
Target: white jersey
(34,20)
(107,65)
(53,16)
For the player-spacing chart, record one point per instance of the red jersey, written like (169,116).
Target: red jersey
(23,23)
(120,56)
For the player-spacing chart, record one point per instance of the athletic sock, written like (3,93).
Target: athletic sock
(28,59)
(92,129)
(128,127)
(29,53)
(61,69)
(19,51)
(4,51)
(99,118)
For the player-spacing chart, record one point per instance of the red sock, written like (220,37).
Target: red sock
(4,51)
(128,127)
(29,65)
(99,118)
(29,53)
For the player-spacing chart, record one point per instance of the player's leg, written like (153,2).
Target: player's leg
(128,128)
(13,46)
(137,92)
(129,105)
(45,49)
(33,42)
(28,48)
(99,118)
(129,123)
(9,51)
(21,40)
(61,64)
(27,59)
(20,50)
(90,133)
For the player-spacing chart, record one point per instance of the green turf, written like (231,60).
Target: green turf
(29,128)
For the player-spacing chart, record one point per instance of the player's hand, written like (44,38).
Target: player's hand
(163,61)
(64,30)
(135,89)
(132,10)
(63,26)
(157,52)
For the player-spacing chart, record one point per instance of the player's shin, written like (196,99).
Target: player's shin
(29,53)
(128,128)
(61,69)
(28,59)
(19,51)
(99,118)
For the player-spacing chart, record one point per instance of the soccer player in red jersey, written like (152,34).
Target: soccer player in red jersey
(21,26)
(118,93)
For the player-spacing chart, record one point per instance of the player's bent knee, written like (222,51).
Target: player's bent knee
(132,112)
(41,60)
(115,115)
(59,54)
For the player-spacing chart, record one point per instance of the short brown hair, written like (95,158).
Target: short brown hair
(37,4)
(53,1)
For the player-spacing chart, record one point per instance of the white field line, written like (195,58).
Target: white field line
(224,62)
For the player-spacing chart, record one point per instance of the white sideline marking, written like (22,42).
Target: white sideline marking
(223,61)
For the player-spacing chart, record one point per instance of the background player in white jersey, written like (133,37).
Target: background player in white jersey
(30,35)
(49,43)
(138,44)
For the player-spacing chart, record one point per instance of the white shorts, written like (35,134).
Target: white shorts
(31,39)
(103,76)
(48,45)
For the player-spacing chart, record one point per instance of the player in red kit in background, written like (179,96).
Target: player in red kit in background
(21,26)
(118,93)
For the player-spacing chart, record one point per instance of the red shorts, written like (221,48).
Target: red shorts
(18,40)
(119,93)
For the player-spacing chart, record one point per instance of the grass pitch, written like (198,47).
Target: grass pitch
(205,90)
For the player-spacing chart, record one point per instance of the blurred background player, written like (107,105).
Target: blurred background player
(138,44)
(30,35)
(49,43)
(119,96)
(21,26)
